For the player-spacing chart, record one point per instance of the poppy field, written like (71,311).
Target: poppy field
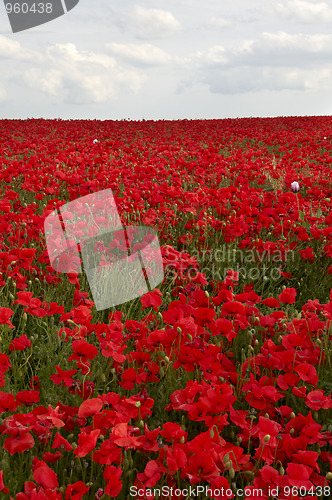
(217,384)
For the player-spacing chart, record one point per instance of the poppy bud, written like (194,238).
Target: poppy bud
(207,294)
(24,317)
(329,476)
(267,438)
(125,464)
(211,433)
(179,330)
(291,432)
(131,474)
(282,471)
(227,465)
(295,187)
(138,404)
(190,337)
(182,440)
(167,359)
(231,472)
(292,415)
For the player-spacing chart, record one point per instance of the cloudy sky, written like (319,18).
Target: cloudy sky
(174,59)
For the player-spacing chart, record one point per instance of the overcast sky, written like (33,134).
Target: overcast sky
(174,59)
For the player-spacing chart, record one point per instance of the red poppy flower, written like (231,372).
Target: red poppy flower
(151,475)
(297,475)
(233,307)
(7,402)
(316,400)
(2,484)
(201,467)
(19,443)
(83,351)
(308,254)
(52,415)
(271,302)
(45,476)
(225,327)
(175,458)
(61,442)
(307,373)
(63,376)
(114,485)
(28,398)
(52,457)
(152,299)
(123,437)
(90,407)
(173,432)
(204,315)
(76,491)
(86,442)
(20,343)
(288,296)
(5,314)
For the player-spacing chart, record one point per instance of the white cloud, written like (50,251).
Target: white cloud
(244,79)
(274,61)
(3,94)
(218,23)
(317,43)
(213,55)
(305,12)
(82,76)
(142,54)
(49,82)
(154,23)
(272,49)
(11,49)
